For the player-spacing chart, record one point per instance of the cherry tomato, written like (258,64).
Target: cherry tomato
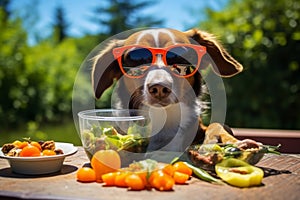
(161,181)
(48,152)
(30,150)
(183,168)
(180,178)
(120,179)
(109,178)
(36,144)
(169,169)
(86,174)
(134,182)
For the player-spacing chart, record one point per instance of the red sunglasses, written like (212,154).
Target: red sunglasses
(182,59)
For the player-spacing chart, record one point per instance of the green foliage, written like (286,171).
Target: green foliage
(35,82)
(12,52)
(51,76)
(265,37)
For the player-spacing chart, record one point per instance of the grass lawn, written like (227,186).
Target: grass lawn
(59,132)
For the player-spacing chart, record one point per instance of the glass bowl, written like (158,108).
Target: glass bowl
(125,131)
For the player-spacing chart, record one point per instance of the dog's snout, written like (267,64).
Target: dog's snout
(159,91)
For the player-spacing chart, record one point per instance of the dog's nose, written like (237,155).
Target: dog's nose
(159,91)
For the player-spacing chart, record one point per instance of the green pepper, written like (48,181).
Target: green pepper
(239,173)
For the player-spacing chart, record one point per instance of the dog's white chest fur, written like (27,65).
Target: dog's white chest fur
(172,127)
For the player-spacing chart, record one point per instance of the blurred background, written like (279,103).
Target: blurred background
(43,44)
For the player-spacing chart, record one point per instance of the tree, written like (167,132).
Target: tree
(36,81)
(4,6)
(13,47)
(121,15)
(60,25)
(265,37)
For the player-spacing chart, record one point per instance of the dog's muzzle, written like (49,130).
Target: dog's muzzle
(159,88)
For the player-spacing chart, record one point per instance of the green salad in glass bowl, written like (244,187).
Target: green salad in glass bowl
(125,131)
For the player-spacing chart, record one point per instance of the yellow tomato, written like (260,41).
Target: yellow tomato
(105,161)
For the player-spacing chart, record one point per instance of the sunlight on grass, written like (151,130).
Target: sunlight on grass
(63,132)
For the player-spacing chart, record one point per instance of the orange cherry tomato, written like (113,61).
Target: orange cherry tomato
(30,150)
(183,168)
(134,182)
(109,178)
(48,152)
(120,179)
(161,181)
(143,175)
(36,144)
(86,174)
(180,178)
(169,169)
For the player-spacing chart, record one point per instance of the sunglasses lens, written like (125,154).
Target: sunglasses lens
(136,61)
(182,60)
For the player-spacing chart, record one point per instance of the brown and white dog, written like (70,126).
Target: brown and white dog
(170,95)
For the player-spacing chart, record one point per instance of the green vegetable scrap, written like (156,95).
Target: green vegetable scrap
(202,174)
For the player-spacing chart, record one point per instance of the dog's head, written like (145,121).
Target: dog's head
(160,64)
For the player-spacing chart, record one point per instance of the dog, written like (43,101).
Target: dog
(159,70)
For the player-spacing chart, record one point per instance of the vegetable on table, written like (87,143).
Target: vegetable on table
(86,174)
(105,161)
(203,175)
(239,173)
(144,174)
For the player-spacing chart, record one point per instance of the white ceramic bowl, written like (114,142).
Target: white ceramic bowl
(42,164)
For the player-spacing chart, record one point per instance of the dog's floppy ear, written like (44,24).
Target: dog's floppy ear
(105,68)
(223,64)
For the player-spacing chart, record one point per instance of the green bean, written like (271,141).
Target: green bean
(203,175)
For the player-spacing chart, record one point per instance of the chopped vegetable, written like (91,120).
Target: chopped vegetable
(107,137)
(207,156)
(86,174)
(239,173)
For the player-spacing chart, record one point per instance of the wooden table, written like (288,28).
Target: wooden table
(282,181)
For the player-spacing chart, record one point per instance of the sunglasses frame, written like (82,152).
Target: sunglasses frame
(118,54)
